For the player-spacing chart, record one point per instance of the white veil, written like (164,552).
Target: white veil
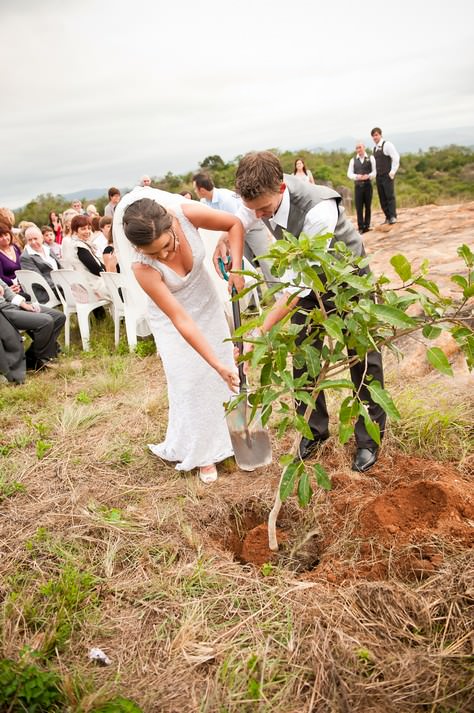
(126,253)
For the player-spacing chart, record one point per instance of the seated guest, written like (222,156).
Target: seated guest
(98,238)
(37,256)
(84,258)
(9,258)
(12,354)
(7,216)
(50,241)
(67,249)
(43,325)
(108,256)
(91,210)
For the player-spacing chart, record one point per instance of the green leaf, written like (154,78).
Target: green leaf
(313,361)
(302,426)
(314,278)
(289,477)
(402,267)
(288,380)
(334,326)
(361,284)
(305,491)
(392,315)
(345,431)
(345,410)
(468,292)
(258,352)
(431,332)
(283,426)
(438,359)
(322,478)
(383,399)
(305,398)
(280,357)
(266,375)
(286,459)
(467,255)
(335,384)
(428,285)
(459,280)
(372,428)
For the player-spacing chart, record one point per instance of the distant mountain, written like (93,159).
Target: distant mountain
(409,142)
(85,193)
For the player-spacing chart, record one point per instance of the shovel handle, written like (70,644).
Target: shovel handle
(240,344)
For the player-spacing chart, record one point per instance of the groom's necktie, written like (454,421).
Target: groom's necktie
(276,231)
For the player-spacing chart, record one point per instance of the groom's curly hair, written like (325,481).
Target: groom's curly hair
(145,220)
(258,172)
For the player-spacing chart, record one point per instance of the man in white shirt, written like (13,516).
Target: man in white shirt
(257,239)
(387,161)
(362,170)
(285,203)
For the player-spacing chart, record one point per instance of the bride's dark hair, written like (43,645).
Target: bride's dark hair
(145,220)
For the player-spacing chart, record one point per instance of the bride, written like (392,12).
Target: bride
(157,240)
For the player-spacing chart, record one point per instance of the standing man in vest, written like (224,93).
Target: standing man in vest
(387,161)
(257,240)
(286,203)
(362,170)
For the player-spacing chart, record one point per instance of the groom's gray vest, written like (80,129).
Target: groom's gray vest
(303,197)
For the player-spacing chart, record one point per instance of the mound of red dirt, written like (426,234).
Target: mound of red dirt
(401,518)
(414,510)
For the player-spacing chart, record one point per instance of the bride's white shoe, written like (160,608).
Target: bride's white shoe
(208,474)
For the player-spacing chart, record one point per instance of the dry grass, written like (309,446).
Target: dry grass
(188,628)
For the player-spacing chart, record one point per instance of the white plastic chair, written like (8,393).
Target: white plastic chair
(136,323)
(29,278)
(76,298)
(113,283)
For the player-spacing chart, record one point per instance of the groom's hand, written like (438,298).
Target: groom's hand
(236,281)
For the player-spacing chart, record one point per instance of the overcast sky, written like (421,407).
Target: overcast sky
(97,92)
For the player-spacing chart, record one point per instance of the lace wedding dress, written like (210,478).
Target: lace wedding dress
(197,433)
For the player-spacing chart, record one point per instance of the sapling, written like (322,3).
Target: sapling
(369,313)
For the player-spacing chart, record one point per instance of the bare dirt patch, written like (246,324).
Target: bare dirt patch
(401,519)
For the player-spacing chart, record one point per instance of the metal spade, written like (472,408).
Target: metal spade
(250,440)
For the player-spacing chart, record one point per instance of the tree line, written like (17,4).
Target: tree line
(438,175)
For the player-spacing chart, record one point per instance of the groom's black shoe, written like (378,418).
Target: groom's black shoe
(307,447)
(364,459)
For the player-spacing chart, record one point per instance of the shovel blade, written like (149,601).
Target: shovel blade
(250,441)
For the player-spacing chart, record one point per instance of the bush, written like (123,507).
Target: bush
(29,688)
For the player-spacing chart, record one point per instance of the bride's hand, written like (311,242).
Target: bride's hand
(230,376)
(222,252)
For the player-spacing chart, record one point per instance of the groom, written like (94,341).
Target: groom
(286,203)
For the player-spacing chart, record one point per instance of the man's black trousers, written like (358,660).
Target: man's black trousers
(319,418)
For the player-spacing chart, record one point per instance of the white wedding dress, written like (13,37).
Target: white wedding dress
(197,432)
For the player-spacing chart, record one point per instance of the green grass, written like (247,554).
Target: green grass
(433,424)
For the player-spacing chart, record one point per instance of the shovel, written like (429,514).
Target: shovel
(250,441)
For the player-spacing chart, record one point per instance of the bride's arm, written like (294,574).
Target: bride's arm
(151,282)
(203,217)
